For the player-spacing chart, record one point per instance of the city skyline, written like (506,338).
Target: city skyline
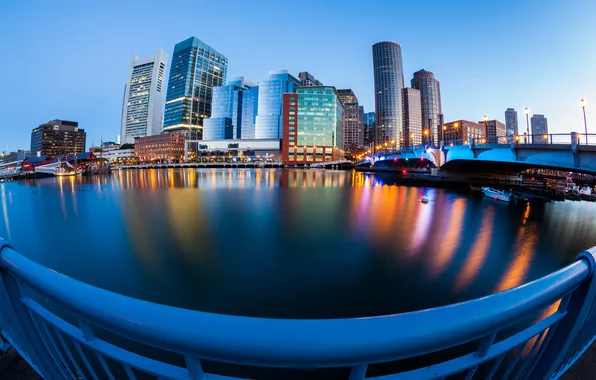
(472,85)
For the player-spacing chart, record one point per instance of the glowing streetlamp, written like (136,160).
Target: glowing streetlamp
(583,103)
(485,131)
(527,112)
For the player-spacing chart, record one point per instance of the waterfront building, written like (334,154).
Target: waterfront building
(412,111)
(112,152)
(58,137)
(228,111)
(369,128)
(460,131)
(166,147)
(313,123)
(268,123)
(308,80)
(494,130)
(250,106)
(430,92)
(195,70)
(239,150)
(389,83)
(142,109)
(511,126)
(539,125)
(353,121)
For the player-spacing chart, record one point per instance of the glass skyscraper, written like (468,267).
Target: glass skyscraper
(250,104)
(430,92)
(389,83)
(539,125)
(270,105)
(413,134)
(511,127)
(369,127)
(353,121)
(195,70)
(320,117)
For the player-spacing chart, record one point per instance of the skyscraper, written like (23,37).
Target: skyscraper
(250,105)
(389,83)
(511,126)
(58,137)
(539,129)
(353,121)
(270,109)
(369,128)
(430,92)
(412,134)
(495,131)
(195,70)
(143,97)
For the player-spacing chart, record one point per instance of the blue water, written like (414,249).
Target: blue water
(287,243)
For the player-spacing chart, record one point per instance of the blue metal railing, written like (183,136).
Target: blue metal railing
(71,350)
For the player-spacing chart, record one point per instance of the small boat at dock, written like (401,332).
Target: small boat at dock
(497,194)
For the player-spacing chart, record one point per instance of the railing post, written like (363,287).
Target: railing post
(578,310)
(21,329)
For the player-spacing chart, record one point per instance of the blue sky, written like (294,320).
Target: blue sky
(69,59)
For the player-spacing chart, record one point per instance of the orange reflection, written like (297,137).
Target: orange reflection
(451,241)
(478,253)
(5,212)
(518,268)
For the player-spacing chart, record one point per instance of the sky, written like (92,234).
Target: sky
(70,59)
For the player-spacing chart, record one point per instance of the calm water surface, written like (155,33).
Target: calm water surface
(287,243)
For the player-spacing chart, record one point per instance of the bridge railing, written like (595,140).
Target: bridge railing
(548,138)
(84,343)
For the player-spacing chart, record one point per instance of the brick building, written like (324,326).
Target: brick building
(166,147)
(462,130)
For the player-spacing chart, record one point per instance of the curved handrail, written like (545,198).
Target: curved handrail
(285,342)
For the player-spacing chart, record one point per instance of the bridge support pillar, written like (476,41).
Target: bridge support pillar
(574,141)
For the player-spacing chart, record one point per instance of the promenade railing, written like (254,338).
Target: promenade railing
(84,340)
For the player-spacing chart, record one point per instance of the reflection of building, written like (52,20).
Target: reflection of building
(511,127)
(195,69)
(462,130)
(430,92)
(270,109)
(164,147)
(353,124)
(539,129)
(369,128)
(142,109)
(264,149)
(412,134)
(494,130)
(58,137)
(313,121)
(389,83)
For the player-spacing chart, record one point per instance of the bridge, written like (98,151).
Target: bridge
(490,336)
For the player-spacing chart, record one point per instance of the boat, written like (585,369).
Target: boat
(497,194)
(586,190)
(65,169)
(424,199)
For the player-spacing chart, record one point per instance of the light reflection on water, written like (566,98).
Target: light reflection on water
(287,243)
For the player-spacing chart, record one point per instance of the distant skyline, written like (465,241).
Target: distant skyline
(69,59)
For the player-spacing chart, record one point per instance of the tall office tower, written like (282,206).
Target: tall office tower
(412,133)
(511,126)
(142,110)
(430,91)
(353,121)
(195,70)
(389,83)
(250,104)
(369,128)
(58,137)
(307,79)
(539,125)
(270,108)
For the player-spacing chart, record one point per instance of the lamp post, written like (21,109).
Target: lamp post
(412,140)
(527,111)
(426,135)
(583,102)
(485,131)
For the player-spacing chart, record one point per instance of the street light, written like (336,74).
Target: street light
(527,111)
(485,131)
(583,102)
(412,139)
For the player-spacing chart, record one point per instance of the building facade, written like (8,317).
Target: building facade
(353,121)
(250,107)
(195,70)
(389,84)
(539,125)
(412,111)
(369,128)
(495,131)
(308,80)
(166,147)
(430,92)
(268,123)
(58,137)
(313,123)
(511,126)
(459,131)
(142,109)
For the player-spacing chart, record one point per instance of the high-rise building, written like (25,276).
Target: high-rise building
(369,128)
(539,125)
(312,122)
(511,126)
(250,105)
(459,131)
(430,92)
(412,133)
(142,109)
(389,83)
(58,137)
(195,70)
(353,121)
(307,79)
(270,107)
(495,131)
